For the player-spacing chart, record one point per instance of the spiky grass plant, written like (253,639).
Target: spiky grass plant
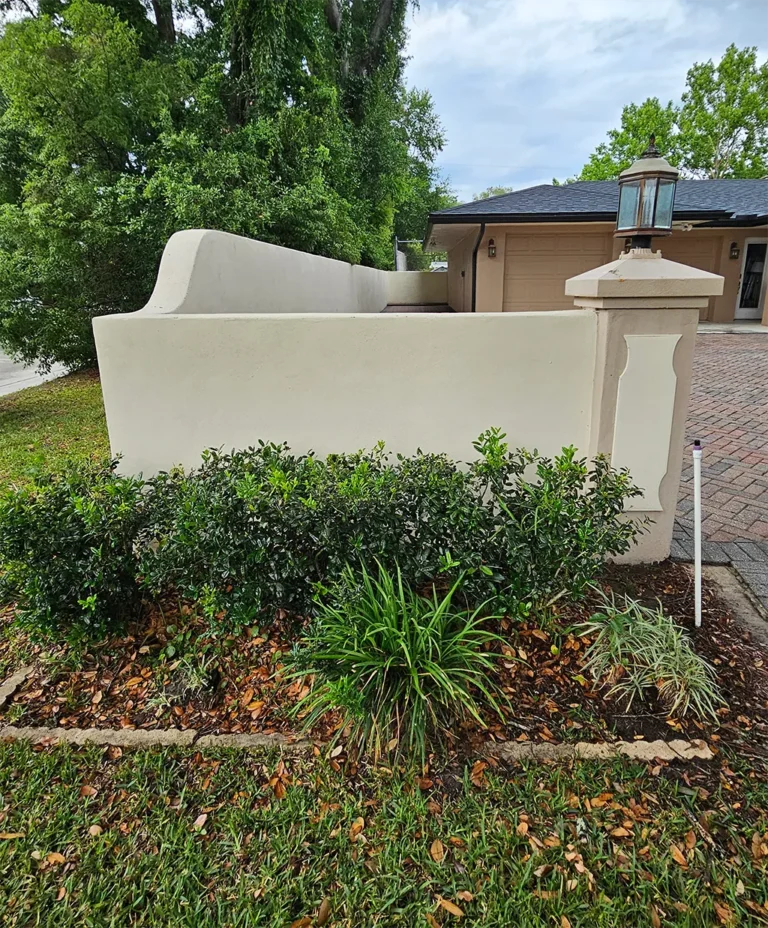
(637,649)
(402,669)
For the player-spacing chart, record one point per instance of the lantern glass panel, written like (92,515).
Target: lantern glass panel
(629,200)
(649,200)
(664,204)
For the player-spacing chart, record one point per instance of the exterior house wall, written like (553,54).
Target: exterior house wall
(533,261)
(459,274)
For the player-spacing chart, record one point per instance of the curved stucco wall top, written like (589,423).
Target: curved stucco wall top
(204,271)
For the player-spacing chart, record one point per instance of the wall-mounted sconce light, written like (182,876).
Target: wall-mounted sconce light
(491,248)
(735,251)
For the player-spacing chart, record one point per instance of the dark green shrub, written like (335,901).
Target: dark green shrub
(401,669)
(67,549)
(556,528)
(264,529)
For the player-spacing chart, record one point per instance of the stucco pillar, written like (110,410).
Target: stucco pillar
(647,311)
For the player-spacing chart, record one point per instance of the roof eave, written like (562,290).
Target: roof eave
(502,218)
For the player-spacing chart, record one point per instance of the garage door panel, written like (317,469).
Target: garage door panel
(536,268)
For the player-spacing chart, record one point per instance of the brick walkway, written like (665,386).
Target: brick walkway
(729,414)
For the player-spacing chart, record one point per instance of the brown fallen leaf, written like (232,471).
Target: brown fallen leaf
(10,835)
(465,895)
(55,858)
(620,833)
(88,790)
(279,789)
(564,923)
(432,921)
(323,913)
(357,826)
(303,922)
(437,851)
(690,840)
(724,914)
(200,821)
(522,829)
(95,830)
(477,775)
(61,893)
(678,856)
(450,907)
(655,918)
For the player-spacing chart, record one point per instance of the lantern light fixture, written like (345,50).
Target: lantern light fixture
(735,251)
(646,198)
(491,248)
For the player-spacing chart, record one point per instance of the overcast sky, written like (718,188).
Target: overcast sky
(527,88)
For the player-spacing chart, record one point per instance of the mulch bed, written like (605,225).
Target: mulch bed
(238,684)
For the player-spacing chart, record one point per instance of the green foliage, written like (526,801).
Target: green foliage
(266,121)
(254,531)
(552,533)
(719,129)
(626,144)
(400,667)
(263,529)
(637,649)
(67,550)
(492,191)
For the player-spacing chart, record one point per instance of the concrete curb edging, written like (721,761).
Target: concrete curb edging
(677,749)
(141,738)
(511,751)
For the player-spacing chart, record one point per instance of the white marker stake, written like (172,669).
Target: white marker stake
(697,526)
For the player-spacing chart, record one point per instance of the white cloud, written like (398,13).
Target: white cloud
(526,88)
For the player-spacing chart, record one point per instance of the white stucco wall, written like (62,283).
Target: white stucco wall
(176,384)
(244,341)
(204,271)
(417,287)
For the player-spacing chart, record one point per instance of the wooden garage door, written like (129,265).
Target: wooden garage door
(537,265)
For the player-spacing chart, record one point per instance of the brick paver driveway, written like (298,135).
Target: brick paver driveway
(729,414)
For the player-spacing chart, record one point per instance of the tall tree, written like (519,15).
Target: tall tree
(719,128)
(122,122)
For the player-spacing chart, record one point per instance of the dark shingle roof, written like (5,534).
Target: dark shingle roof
(714,200)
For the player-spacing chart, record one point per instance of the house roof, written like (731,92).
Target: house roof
(714,202)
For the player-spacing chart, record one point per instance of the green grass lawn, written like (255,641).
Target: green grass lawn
(43,426)
(165,838)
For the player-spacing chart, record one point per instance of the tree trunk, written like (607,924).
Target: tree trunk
(166,27)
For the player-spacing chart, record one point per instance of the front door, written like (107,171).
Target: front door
(749,304)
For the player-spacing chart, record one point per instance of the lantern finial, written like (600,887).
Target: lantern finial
(651,151)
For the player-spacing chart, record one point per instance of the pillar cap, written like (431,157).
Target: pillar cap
(644,274)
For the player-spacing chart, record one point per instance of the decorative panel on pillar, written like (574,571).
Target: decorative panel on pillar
(645,408)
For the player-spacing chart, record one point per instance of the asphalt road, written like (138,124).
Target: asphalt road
(15,377)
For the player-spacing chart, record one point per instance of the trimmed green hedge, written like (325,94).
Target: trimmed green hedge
(258,530)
